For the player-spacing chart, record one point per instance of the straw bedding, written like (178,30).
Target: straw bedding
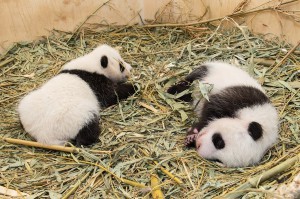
(144,135)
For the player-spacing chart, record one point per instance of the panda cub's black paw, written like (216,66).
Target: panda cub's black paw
(131,88)
(125,90)
(180,87)
(189,141)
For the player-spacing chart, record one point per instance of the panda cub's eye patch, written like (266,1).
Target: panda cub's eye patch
(122,68)
(104,61)
(255,130)
(218,141)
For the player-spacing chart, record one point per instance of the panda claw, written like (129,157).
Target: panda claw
(195,131)
(190,138)
(192,131)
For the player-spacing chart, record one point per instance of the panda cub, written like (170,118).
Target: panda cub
(238,123)
(66,108)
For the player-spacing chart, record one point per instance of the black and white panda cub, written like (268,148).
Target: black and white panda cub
(66,108)
(238,123)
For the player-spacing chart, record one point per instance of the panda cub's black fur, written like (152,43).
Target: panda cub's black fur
(107,92)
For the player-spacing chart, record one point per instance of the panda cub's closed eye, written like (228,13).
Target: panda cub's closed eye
(218,141)
(122,68)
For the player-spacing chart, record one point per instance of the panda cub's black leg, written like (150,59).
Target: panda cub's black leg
(181,86)
(118,92)
(199,73)
(124,90)
(89,133)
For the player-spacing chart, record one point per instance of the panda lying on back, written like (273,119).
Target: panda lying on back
(66,108)
(238,123)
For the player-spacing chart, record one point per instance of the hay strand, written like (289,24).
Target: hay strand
(132,183)
(128,182)
(40,145)
(169,174)
(285,57)
(148,107)
(11,192)
(165,171)
(86,19)
(155,187)
(7,61)
(75,186)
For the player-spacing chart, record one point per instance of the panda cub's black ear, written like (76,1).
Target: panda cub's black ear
(255,130)
(104,61)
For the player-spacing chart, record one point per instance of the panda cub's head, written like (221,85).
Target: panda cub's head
(103,60)
(232,141)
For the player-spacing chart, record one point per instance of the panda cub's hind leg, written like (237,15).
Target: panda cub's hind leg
(89,133)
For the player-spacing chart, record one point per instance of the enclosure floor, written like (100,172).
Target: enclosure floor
(147,131)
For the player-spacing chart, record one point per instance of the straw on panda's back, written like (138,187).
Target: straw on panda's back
(67,106)
(238,123)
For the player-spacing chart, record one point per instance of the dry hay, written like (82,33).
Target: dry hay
(146,131)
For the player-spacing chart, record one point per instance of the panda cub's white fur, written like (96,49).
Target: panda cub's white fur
(66,108)
(238,123)
(223,75)
(55,113)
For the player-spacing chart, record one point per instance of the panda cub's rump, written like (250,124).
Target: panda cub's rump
(66,108)
(238,123)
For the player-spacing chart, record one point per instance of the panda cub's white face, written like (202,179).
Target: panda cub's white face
(228,141)
(103,60)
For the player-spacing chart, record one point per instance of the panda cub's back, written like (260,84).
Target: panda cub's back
(223,75)
(65,100)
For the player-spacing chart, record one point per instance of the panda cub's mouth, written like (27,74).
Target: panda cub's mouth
(215,160)
(198,146)
(197,137)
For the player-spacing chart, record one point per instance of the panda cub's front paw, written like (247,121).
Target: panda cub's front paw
(126,89)
(131,88)
(191,137)
(178,87)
